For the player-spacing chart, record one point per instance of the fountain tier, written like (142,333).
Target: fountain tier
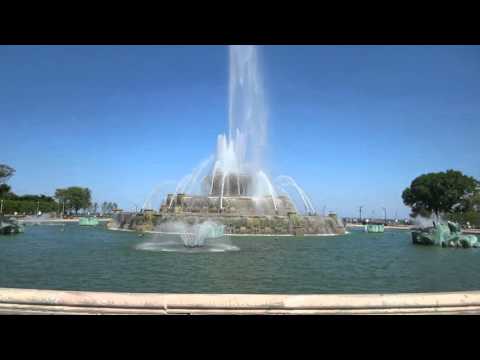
(239,215)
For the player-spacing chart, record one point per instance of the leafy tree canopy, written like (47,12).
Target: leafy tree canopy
(75,197)
(108,207)
(4,189)
(6,172)
(440,192)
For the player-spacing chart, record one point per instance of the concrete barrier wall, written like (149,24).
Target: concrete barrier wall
(31,301)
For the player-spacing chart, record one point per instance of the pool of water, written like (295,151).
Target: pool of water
(72,257)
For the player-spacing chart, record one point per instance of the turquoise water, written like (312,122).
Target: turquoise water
(93,258)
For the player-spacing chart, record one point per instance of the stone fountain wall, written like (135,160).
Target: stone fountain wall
(238,205)
(235,223)
(239,214)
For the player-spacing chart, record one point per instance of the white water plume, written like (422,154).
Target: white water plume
(158,195)
(426,222)
(247,108)
(237,168)
(285,181)
(265,186)
(180,236)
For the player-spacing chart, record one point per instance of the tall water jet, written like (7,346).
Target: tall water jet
(235,188)
(240,154)
(247,109)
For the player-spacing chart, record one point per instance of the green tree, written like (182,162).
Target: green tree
(75,198)
(6,172)
(28,206)
(61,196)
(440,192)
(471,217)
(4,190)
(471,202)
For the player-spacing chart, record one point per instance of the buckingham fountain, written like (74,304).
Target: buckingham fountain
(232,188)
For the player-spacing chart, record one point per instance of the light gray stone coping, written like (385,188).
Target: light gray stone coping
(33,301)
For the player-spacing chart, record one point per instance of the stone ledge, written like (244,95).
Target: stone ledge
(32,301)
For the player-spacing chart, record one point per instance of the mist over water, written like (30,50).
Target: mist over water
(179,236)
(426,222)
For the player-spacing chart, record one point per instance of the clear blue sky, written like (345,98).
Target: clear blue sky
(352,124)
